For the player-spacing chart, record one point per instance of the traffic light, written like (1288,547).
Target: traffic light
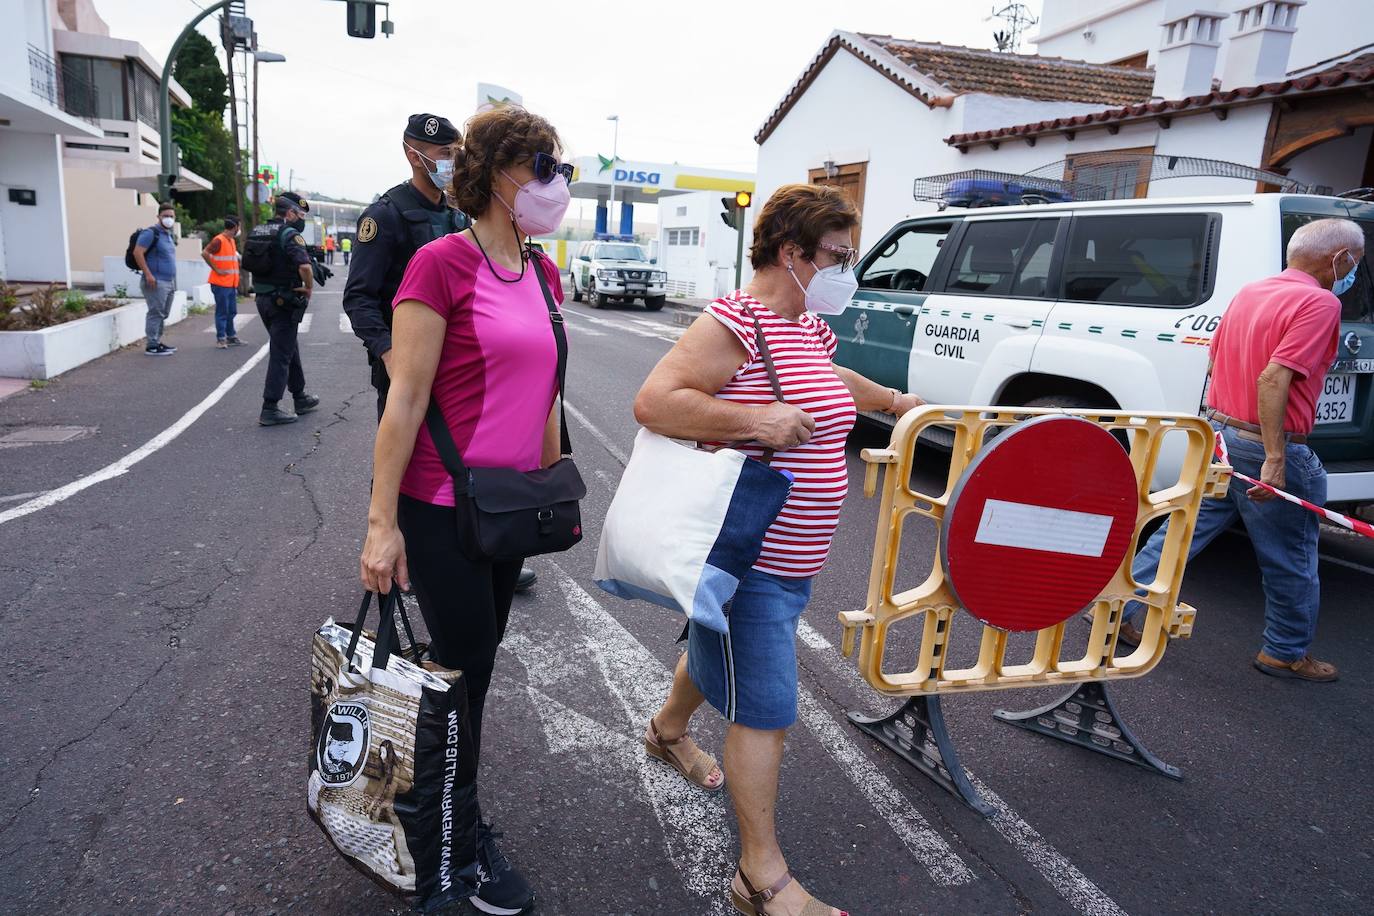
(362,19)
(735,205)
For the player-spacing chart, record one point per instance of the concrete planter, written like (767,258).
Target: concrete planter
(50,352)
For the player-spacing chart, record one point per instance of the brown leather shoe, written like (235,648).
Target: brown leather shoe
(1306,668)
(1129,635)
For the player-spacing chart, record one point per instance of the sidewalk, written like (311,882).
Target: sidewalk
(9,386)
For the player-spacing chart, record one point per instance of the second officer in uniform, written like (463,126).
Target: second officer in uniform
(390,231)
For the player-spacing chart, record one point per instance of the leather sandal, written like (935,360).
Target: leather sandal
(692,762)
(1306,668)
(754,904)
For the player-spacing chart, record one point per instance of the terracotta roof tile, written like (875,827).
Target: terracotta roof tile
(1354,72)
(1024,76)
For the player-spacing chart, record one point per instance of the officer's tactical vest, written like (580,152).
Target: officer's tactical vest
(264,255)
(420,225)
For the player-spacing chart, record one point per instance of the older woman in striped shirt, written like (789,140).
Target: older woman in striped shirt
(713,387)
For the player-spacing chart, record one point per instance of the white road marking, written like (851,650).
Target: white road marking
(661,332)
(587,332)
(18,496)
(344,324)
(598,435)
(305,324)
(695,827)
(1081,893)
(117,468)
(643,685)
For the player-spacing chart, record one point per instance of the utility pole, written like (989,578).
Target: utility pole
(231,45)
(253,179)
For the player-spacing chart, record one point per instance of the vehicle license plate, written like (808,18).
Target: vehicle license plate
(1337,403)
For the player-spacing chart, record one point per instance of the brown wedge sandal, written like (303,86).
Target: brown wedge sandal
(753,905)
(695,764)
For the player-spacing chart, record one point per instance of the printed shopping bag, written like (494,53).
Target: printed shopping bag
(392,765)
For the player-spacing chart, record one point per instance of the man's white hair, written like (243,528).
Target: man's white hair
(1320,239)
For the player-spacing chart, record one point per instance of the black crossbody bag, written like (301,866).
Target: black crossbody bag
(505,514)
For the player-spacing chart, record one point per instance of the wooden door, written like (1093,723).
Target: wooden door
(849,178)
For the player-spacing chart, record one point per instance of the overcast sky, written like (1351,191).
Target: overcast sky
(691,82)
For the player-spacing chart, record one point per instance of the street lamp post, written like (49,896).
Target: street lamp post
(266,57)
(167,172)
(615,147)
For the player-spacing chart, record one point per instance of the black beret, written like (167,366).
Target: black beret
(287,199)
(431,128)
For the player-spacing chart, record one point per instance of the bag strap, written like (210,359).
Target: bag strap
(434,417)
(767,356)
(386,604)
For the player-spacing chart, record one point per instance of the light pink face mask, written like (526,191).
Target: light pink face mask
(539,207)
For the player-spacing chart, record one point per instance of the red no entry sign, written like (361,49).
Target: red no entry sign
(1039,523)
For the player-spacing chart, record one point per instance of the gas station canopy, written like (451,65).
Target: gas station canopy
(633,182)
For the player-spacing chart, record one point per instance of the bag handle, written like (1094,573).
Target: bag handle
(385,628)
(767,355)
(434,417)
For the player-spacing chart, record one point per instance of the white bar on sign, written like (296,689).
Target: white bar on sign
(1007,524)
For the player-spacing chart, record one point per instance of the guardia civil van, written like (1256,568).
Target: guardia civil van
(1098,304)
(604,272)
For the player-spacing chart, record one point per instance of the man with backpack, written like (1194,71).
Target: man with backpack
(153,253)
(283,280)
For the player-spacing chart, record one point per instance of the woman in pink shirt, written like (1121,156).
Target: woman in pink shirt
(472,330)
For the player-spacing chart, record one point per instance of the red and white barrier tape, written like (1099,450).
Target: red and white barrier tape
(1344,521)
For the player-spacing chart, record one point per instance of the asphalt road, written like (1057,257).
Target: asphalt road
(156,727)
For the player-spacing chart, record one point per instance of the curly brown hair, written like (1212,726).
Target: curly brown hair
(799,213)
(492,141)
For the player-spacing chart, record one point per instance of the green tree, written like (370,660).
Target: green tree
(206,144)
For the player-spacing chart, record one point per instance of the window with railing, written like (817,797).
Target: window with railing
(70,93)
(105,79)
(146,98)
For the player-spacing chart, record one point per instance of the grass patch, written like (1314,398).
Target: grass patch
(197,310)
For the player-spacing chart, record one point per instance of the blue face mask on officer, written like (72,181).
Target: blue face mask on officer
(440,170)
(1343,284)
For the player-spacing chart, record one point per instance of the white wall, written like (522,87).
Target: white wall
(25,23)
(1018,157)
(1240,139)
(1326,28)
(34,238)
(694,271)
(1338,163)
(850,110)
(989,112)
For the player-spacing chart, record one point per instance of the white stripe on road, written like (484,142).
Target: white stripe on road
(597,434)
(662,332)
(641,685)
(344,324)
(305,324)
(115,469)
(1081,893)
(694,824)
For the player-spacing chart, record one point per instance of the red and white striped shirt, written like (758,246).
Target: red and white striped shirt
(797,543)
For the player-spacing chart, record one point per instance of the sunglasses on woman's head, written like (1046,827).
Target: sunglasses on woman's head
(545,167)
(846,257)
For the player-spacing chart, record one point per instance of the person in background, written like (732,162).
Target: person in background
(1270,356)
(222,254)
(282,293)
(155,252)
(347,246)
(713,388)
(472,332)
(329,249)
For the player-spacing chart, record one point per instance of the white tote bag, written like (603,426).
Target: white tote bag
(686,525)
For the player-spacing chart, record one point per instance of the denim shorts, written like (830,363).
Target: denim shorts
(750,675)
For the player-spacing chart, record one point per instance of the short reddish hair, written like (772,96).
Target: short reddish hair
(799,213)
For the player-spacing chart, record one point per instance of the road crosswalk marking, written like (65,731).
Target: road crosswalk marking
(344,324)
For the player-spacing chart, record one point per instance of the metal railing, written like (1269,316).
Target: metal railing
(69,93)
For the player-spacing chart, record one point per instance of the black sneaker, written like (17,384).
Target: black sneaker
(160,349)
(234,342)
(526,579)
(500,888)
(306,403)
(275,416)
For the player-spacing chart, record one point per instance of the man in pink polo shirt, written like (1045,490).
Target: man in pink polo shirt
(1269,360)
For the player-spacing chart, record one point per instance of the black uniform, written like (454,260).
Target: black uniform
(281,307)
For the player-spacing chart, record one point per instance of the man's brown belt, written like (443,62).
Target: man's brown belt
(1250,430)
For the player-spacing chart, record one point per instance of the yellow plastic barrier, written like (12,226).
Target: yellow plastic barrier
(935,606)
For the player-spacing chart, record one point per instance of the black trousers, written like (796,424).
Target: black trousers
(465,603)
(283,355)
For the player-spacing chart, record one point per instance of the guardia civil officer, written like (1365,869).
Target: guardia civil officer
(390,231)
(283,280)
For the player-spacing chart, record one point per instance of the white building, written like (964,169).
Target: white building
(1277,85)
(79,129)
(695,246)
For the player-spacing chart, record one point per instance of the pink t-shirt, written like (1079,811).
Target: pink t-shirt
(495,382)
(1289,319)
(798,542)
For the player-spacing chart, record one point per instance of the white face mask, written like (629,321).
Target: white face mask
(168,222)
(830,289)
